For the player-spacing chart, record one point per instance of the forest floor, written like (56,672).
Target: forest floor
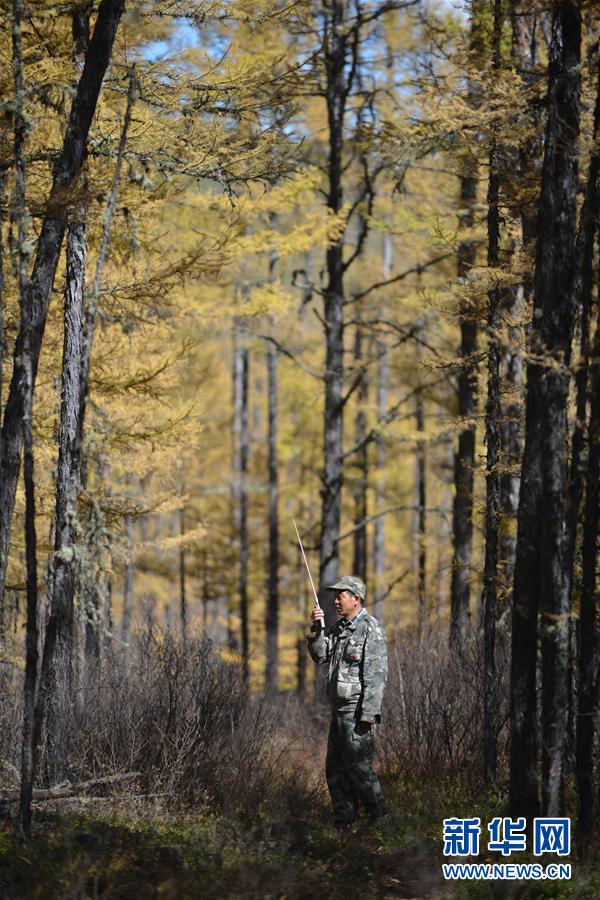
(122,849)
(128,846)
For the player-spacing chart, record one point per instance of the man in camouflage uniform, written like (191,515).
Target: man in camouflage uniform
(355,653)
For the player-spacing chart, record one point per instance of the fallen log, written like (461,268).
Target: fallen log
(66,789)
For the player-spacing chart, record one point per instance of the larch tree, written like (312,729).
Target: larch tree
(47,252)
(541,577)
(492,440)
(340,28)
(25,388)
(80,310)
(272,610)
(464,460)
(587,384)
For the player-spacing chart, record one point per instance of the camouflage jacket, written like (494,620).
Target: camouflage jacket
(355,654)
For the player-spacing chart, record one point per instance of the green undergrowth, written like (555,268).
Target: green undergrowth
(130,851)
(423,804)
(81,855)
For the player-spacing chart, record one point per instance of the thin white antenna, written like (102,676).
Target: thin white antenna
(317,604)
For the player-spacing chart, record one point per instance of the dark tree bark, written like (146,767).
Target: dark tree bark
(419,517)
(236,419)
(511,442)
(359,564)
(31,656)
(303,599)
(205,596)
(272,612)
(464,460)
(583,300)
(444,548)
(47,254)
(382,394)
(241,439)
(25,387)
(301,668)
(540,572)
(337,89)
(94,292)
(127,583)
(56,677)
(183,610)
(462,514)
(4,613)
(589,674)
(492,439)
(583,296)
(243,514)
(96,593)
(57,661)
(272,617)
(97,599)
(2,301)
(524,163)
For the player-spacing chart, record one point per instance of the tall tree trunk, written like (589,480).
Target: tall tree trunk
(464,460)
(183,610)
(492,440)
(2,303)
(4,613)
(382,394)
(25,387)
(540,573)
(236,427)
(243,529)
(511,443)
(241,439)
(444,556)
(94,292)
(331,490)
(272,619)
(589,673)
(97,601)
(419,517)
(54,695)
(303,601)
(583,299)
(57,661)
(272,613)
(526,160)
(127,583)
(297,474)
(205,594)
(359,565)
(47,254)
(96,594)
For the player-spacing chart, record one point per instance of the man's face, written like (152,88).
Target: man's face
(347,604)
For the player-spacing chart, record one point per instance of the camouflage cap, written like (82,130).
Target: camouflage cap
(350,583)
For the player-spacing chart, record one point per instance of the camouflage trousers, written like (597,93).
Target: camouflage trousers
(349,770)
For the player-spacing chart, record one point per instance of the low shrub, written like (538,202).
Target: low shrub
(432,723)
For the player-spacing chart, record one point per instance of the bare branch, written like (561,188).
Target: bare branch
(390,416)
(414,270)
(402,507)
(285,352)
